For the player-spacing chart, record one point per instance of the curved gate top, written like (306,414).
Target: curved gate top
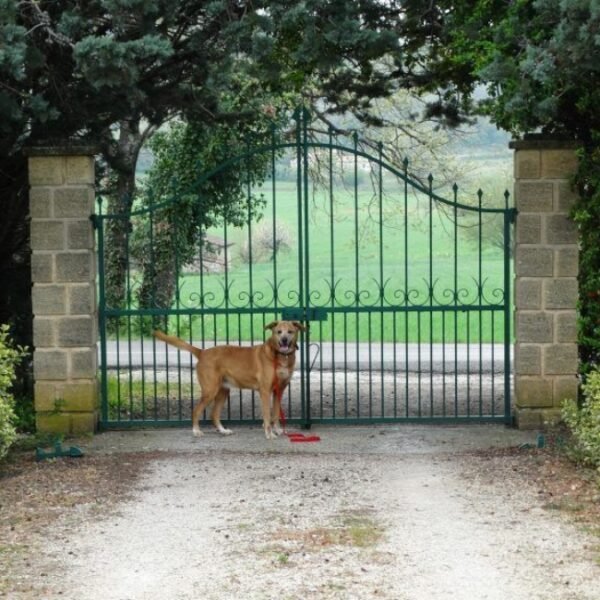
(406,293)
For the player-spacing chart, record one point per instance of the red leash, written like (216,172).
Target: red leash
(293,437)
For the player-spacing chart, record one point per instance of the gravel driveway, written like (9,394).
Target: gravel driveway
(394,512)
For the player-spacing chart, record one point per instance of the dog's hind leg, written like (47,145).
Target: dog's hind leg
(197,413)
(220,399)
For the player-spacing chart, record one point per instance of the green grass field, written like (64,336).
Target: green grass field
(364,257)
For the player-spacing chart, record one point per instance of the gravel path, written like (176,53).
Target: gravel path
(402,513)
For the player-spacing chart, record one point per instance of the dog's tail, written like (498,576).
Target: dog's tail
(175,341)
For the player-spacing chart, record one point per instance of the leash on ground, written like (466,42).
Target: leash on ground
(296,437)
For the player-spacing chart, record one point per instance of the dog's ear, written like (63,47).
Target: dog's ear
(299,326)
(271,325)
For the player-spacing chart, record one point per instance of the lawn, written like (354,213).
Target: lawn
(383,263)
(365,266)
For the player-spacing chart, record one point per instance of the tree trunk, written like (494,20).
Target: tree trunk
(122,160)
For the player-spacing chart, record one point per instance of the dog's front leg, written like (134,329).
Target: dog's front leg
(265,399)
(276,414)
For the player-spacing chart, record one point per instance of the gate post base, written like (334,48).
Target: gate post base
(61,202)
(528,418)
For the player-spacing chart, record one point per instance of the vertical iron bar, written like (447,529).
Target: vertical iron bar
(356,271)
(369,325)
(406,289)
(381,283)
(509,216)
(153,299)
(493,375)
(299,201)
(99,224)
(430,295)
(306,300)
(332,271)
(480,312)
(274,211)
(176,235)
(456,298)
(128,306)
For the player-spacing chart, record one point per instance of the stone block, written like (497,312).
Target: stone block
(42,268)
(47,396)
(46,170)
(53,423)
(528,164)
(528,294)
(528,359)
(560,359)
(534,327)
(81,299)
(533,392)
(81,396)
(534,197)
(527,418)
(534,262)
(84,364)
(50,365)
(80,235)
(40,203)
(565,388)
(529,229)
(80,170)
(82,423)
(561,293)
(44,332)
(566,197)
(558,164)
(73,202)
(75,332)
(565,327)
(560,229)
(74,267)
(551,417)
(566,262)
(47,235)
(540,418)
(49,299)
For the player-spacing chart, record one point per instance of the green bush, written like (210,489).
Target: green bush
(584,423)
(9,357)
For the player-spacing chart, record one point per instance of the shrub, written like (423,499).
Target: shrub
(9,357)
(584,423)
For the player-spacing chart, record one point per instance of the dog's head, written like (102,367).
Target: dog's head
(284,335)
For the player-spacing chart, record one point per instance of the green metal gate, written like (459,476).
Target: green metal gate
(406,297)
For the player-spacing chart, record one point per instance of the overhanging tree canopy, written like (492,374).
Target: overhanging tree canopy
(111,71)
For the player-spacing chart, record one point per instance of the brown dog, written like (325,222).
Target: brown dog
(267,368)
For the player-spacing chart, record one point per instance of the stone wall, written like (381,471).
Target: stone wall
(546,287)
(64,289)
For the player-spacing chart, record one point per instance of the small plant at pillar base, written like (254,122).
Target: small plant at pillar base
(584,423)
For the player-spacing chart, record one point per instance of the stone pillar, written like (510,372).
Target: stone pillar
(546,287)
(61,200)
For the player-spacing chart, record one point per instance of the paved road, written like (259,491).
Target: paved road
(437,358)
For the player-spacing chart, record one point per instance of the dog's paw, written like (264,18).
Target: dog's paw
(224,431)
(197,433)
(269,433)
(277,429)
